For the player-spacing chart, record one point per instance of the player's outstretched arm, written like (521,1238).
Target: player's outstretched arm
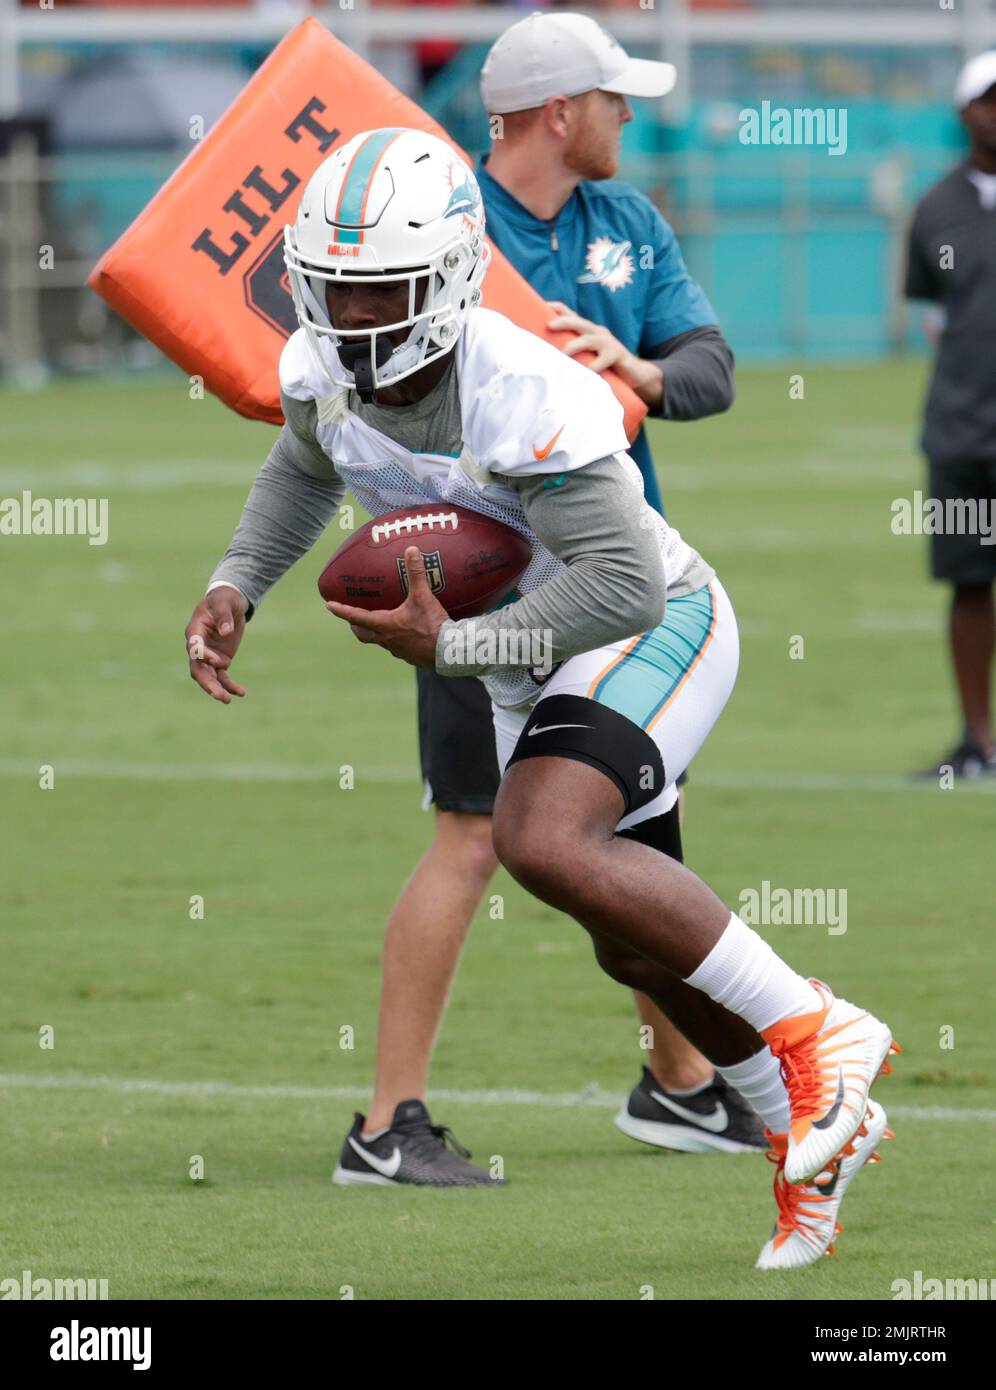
(213,636)
(295,496)
(292,501)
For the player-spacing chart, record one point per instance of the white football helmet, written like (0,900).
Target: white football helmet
(401,205)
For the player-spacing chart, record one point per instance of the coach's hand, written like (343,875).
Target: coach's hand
(213,636)
(409,631)
(645,378)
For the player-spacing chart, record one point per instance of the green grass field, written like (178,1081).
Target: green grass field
(220,1037)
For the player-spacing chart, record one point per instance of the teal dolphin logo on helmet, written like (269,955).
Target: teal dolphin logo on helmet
(465,198)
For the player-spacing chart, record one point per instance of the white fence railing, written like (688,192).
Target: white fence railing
(670,27)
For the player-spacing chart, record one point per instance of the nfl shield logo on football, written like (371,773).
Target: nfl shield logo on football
(433,569)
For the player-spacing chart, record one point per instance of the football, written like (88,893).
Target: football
(472,561)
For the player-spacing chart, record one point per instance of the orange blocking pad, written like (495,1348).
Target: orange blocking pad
(201,273)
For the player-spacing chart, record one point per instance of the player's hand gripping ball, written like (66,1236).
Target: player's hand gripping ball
(472,562)
(399,577)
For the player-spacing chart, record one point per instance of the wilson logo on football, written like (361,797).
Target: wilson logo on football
(384,531)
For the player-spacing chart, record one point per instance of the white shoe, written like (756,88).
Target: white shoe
(829,1060)
(807,1212)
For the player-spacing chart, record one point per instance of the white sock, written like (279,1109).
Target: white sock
(743,973)
(759,1081)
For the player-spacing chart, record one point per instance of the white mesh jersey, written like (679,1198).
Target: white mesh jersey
(526,408)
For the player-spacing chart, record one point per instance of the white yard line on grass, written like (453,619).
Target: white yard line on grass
(196,772)
(591,1097)
(155,475)
(403,772)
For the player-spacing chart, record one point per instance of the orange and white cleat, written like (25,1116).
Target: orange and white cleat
(829,1060)
(807,1212)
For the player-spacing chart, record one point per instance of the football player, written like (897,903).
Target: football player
(556,86)
(399,386)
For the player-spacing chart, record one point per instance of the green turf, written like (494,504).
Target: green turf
(791,501)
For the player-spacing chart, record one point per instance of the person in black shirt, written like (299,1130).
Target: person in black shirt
(952,261)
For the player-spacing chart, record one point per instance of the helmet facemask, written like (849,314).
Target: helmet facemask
(399,206)
(366,359)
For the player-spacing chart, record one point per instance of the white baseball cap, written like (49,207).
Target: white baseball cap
(975,78)
(560,54)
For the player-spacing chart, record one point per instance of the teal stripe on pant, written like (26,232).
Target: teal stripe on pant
(640,685)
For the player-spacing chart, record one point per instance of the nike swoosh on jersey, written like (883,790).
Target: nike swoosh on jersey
(715,1123)
(388,1167)
(547,727)
(541,454)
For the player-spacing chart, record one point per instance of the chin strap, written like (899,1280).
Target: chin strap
(355,357)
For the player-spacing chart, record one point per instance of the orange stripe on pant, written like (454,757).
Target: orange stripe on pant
(612,664)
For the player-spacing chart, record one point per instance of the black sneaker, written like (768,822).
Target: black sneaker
(714,1120)
(967,761)
(412,1151)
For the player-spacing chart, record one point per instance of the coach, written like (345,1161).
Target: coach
(555,86)
(952,261)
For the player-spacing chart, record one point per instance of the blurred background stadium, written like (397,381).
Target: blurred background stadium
(799,251)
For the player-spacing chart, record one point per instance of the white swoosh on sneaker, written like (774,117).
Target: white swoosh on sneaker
(715,1123)
(388,1167)
(547,727)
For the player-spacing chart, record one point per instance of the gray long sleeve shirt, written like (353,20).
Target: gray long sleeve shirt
(698,374)
(614,582)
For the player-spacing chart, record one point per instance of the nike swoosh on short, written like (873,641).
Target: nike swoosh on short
(715,1123)
(832,1113)
(388,1167)
(541,454)
(547,727)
